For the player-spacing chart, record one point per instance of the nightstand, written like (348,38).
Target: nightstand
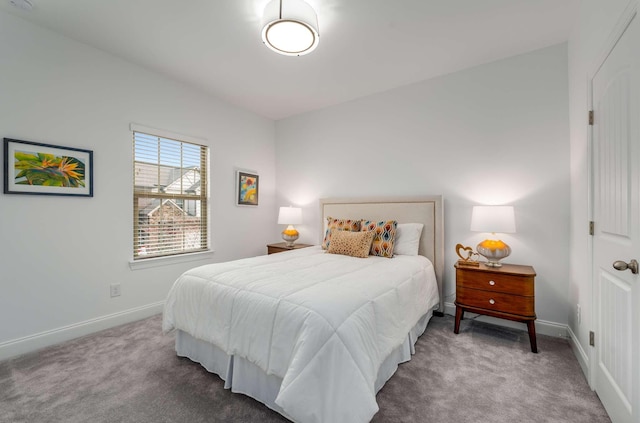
(506,292)
(282,246)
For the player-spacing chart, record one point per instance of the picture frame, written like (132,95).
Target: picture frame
(46,169)
(247,188)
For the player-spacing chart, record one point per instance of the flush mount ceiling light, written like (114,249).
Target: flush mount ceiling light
(290,27)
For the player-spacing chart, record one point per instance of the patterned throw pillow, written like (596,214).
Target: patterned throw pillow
(348,243)
(341,224)
(385,234)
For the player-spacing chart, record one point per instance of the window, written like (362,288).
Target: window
(169,196)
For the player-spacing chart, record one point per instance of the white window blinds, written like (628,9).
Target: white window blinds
(169,197)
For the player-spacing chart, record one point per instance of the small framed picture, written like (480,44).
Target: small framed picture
(247,186)
(45,169)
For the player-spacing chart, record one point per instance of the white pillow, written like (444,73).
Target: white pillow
(408,239)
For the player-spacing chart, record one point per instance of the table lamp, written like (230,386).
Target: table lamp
(290,216)
(493,219)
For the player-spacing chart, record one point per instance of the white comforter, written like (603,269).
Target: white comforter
(323,323)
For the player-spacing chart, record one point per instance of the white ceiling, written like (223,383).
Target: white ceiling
(366,46)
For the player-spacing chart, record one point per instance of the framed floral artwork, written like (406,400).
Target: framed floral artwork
(247,186)
(45,169)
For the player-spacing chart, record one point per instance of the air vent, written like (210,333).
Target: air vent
(22,4)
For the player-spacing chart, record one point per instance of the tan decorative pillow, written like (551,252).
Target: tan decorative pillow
(348,243)
(342,224)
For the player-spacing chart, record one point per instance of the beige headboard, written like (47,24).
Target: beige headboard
(427,210)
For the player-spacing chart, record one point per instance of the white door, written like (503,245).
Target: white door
(616,213)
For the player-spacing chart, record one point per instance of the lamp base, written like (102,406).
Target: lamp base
(290,235)
(493,251)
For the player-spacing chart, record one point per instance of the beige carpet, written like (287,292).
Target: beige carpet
(131,374)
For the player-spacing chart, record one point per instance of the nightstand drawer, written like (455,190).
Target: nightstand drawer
(496,301)
(510,284)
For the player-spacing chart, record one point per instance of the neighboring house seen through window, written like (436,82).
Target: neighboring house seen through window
(169,197)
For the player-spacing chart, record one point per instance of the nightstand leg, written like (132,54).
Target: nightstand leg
(531,327)
(459,316)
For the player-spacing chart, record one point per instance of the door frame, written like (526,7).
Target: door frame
(618,30)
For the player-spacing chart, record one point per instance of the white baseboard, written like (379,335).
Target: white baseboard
(543,327)
(40,340)
(580,353)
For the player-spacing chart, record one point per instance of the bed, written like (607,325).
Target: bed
(313,335)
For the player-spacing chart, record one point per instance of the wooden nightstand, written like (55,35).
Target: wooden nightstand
(506,292)
(282,246)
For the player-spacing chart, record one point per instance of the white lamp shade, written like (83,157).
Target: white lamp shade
(290,216)
(290,27)
(493,219)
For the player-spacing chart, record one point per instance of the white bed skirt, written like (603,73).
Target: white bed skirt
(244,377)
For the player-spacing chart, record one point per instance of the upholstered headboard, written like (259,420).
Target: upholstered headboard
(427,210)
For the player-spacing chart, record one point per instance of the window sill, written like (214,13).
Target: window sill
(164,261)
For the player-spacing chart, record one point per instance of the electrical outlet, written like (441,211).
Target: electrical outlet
(115,290)
(578,313)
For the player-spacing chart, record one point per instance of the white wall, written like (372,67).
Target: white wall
(58,255)
(594,24)
(507,119)
(496,133)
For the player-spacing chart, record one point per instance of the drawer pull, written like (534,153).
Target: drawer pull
(492,283)
(492,301)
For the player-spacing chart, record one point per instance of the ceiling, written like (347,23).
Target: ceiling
(366,46)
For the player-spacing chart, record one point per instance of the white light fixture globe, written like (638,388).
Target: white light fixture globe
(290,27)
